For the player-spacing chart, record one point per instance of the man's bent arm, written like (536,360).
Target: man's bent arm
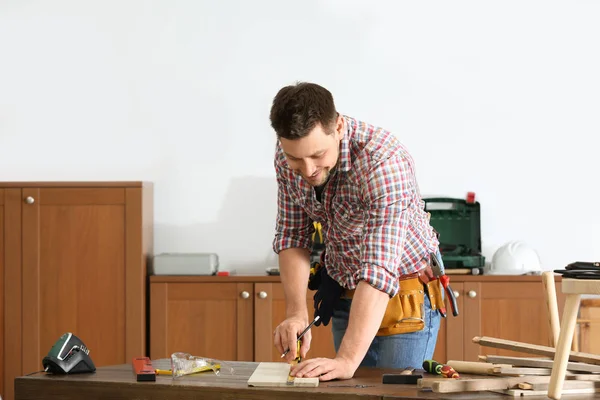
(387,191)
(294,270)
(368,307)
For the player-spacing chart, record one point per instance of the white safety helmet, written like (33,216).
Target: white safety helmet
(515,258)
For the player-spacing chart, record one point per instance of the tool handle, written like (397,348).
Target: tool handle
(432,366)
(453,302)
(445,280)
(442,311)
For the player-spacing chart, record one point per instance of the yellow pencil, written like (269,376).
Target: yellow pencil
(163,372)
(196,370)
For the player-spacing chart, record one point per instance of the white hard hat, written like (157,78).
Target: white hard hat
(515,258)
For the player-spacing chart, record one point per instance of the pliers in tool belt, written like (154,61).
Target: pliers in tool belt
(436,266)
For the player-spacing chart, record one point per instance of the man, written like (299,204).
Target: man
(358,181)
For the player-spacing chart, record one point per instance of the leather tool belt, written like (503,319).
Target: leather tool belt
(405,312)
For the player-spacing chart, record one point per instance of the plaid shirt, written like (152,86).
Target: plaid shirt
(371,212)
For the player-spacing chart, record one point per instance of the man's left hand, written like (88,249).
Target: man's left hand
(324,368)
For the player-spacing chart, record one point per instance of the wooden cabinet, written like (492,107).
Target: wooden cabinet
(226,318)
(588,326)
(269,311)
(507,307)
(233,318)
(73,259)
(208,319)
(2,288)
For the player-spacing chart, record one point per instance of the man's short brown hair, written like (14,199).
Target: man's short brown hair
(298,108)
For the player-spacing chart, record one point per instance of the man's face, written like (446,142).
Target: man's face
(314,156)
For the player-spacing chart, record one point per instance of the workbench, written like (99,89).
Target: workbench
(119,383)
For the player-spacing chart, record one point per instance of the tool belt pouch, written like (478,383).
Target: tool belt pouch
(405,312)
(436,294)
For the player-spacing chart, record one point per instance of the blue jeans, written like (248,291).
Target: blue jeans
(394,351)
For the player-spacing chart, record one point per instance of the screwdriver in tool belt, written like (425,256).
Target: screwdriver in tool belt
(302,334)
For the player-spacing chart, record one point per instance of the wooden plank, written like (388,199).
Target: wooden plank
(445,385)
(533,349)
(517,371)
(569,384)
(275,374)
(474,367)
(484,383)
(476,385)
(427,383)
(537,363)
(519,392)
(584,377)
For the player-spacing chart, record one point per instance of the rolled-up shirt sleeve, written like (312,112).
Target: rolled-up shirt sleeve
(293,226)
(386,191)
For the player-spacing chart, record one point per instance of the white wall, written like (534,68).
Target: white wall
(500,98)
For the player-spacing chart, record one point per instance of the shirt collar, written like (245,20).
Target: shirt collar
(345,163)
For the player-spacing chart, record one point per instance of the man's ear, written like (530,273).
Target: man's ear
(339,127)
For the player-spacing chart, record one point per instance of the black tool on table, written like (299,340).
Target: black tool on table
(584,265)
(580,270)
(69,355)
(409,376)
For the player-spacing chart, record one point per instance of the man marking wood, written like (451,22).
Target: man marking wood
(375,285)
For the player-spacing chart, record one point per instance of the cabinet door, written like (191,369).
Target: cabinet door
(2,289)
(450,341)
(589,326)
(213,320)
(78,274)
(10,286)
(509,310)
(270,312)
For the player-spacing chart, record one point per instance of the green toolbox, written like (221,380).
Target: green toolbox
(458,224)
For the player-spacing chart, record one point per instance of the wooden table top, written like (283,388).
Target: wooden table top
(119,383)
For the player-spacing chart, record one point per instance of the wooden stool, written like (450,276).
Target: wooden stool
(573,288)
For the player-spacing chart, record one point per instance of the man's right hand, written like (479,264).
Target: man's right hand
(286,335)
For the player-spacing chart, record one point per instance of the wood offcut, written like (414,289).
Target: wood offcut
(275,374)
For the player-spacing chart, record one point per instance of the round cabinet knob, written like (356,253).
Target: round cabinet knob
(245,295)
(29,200)
(456,294)
(472,294)
(262,295)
